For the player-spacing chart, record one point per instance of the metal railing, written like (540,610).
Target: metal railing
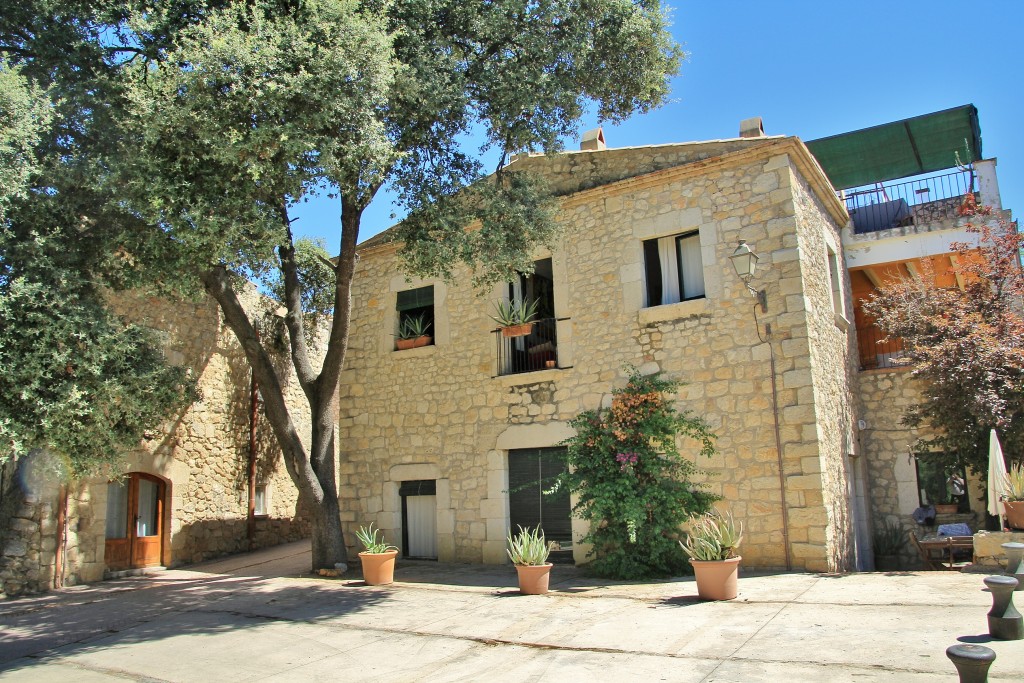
(877,351)
(537,350)
(917,202)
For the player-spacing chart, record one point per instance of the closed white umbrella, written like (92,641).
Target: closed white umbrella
(996,477)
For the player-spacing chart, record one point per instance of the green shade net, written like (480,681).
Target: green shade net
(900,149)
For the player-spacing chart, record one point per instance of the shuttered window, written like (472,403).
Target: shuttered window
(532,471)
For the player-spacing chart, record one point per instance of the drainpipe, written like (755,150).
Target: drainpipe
(62,538)
(254,397)
(778,436)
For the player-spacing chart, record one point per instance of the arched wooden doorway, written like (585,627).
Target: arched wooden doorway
(135,522)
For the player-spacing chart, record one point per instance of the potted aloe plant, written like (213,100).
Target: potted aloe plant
(378,558)
(711,545)
(515,317)
(412,333)
(887,543)
(529,552)
(1013,496)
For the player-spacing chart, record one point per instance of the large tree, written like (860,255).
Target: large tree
(965,344)
(229,112)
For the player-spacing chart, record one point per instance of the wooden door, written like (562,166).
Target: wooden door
(531,471)
(135,518)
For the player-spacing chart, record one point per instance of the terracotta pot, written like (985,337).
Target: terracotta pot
(1014,514)
(517,330)
(378,568)
(716,579)
(946,508)
(533,578)
(403,344)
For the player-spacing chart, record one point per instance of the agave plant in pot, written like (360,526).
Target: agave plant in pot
(711,544)
(413,333)
(515,317)
(378,558)
(529,552)
(1013,496)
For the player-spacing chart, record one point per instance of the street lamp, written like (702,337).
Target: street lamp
(744,260)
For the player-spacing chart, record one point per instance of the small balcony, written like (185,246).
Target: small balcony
(531,352)
(876,351)
(921,202)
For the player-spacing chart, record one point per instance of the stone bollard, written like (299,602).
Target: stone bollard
(1015,562)
(1004,621)
(971,662)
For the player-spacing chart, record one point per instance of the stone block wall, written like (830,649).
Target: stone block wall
(884,395)
(446,410)
(201,456)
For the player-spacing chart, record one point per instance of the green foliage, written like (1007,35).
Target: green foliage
(315,272)
(965,345)
(74,379)
(712,537)
(632,483)
(24,112)
(888,539)
(368,537)
(528,547)
(414,327)
(511,313)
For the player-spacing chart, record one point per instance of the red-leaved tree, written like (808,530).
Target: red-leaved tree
(966,343)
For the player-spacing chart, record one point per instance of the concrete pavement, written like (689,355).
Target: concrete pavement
(260,617)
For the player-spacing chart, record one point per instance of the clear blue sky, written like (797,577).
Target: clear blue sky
(813,68)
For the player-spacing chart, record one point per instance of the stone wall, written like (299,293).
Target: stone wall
(201,456)
(884,396)
(444,411)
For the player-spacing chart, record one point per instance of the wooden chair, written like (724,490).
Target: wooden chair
(941,553)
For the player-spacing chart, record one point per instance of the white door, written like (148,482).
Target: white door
(421,526)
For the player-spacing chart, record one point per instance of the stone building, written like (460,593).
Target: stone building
(183,495)
(445,446)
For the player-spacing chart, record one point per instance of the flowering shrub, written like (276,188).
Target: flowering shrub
(633,485)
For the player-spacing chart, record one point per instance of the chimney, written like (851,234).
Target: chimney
(593,140)
(752,128)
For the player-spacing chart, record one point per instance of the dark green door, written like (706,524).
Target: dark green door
(531,471)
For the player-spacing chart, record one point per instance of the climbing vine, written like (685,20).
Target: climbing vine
(632,484)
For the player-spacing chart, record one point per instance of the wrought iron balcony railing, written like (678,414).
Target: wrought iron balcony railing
(878,351)
(537,350)
(917,202)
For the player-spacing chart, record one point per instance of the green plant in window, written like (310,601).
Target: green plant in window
(512,313)
(414,327)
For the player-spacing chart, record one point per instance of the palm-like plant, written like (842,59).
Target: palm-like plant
(713,536)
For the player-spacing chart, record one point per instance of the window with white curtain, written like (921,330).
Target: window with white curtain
(674,269)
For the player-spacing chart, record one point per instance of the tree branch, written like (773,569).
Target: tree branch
(218,286)
(293,303)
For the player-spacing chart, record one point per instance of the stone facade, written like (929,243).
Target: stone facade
(200,456)
(884,396)
(445,412)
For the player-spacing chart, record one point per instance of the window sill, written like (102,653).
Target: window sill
(683,309)
(521,378)
(418,352)
(841,322)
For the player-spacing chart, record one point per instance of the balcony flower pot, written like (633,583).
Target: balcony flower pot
(717,579)
(517,330)
(378,568)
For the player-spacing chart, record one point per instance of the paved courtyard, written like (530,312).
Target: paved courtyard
(259,617)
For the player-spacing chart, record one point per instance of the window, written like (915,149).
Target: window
(674,269)
(417,305)
(531,472)
(261,507)
(939,481)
